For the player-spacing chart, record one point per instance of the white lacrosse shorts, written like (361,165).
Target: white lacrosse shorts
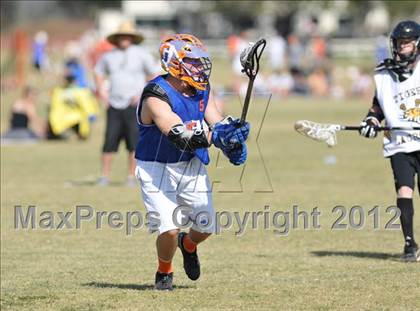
(178,195)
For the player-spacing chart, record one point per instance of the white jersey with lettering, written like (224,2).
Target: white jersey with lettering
(400,103)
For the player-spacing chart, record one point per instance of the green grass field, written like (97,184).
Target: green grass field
(314,269)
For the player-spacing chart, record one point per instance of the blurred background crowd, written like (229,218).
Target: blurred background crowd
(315,48)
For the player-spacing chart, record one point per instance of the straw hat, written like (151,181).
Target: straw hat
(126,29)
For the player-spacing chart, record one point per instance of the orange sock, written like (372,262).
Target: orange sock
(165,266)
(189,245)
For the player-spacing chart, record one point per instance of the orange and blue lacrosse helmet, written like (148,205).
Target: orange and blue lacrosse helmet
(186,58)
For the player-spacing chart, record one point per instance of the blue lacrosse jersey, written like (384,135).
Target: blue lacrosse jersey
(153,145)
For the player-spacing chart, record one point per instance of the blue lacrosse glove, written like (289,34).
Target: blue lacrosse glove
(229,133)
(238,155)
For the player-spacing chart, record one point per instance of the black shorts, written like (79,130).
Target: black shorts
(120,124)
(405,167)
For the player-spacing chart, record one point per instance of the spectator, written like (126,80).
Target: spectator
(233,42)
(280,82)
(277,52)
(23,116)
(362,85)
(318,82)
(72,108)
(100,48)
(74,64)
(296,52)
(40,57)
(239,82)
(78,71)
(317,51)
(20,49)
(128,67)
(381,48)
(241,44)
(300,85)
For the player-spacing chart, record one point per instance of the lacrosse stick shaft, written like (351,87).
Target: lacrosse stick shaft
(247,100)
(382,128)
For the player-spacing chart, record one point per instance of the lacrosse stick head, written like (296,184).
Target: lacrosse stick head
(250,57)
(318,131)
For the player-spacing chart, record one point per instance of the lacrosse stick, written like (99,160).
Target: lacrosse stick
(327,132)
(250,61)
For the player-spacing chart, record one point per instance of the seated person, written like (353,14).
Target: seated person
(300,84)
(280,82)
(72,107)
(23,115)
(74,66)
(318,82)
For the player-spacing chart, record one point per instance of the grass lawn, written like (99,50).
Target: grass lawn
(321,269)
(312,269)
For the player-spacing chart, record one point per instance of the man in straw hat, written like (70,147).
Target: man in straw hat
(127,68)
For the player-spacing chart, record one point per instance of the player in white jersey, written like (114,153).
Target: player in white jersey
(397,101)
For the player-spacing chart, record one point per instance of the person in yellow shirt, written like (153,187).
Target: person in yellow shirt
(72,107)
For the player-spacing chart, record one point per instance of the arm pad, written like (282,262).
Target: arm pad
(187,140)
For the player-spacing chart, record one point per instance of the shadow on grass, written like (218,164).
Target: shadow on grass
(140,287)
(370,255)
(92,183)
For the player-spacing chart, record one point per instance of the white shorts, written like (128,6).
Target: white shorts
(176,195)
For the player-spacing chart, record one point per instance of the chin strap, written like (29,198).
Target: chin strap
(401,71)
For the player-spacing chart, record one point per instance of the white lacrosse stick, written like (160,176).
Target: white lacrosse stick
(318,131)
(327,132)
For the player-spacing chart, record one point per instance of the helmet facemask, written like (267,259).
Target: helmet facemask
(404,59)
(196,72)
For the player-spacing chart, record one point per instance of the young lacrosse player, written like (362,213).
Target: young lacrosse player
(397,101)
(178,121)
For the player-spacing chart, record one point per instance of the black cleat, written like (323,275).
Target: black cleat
(163,281)
(411,253)
(191,262)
